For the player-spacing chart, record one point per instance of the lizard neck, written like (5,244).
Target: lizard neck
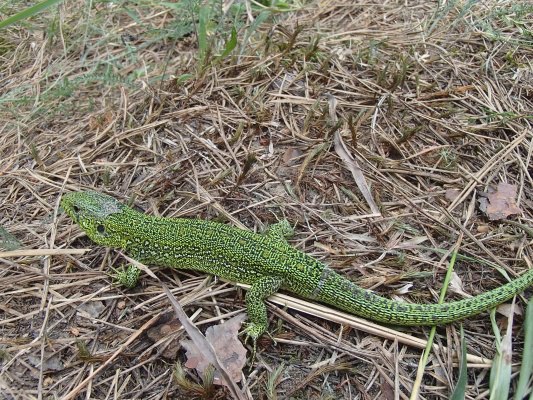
(188,243)
(151,239)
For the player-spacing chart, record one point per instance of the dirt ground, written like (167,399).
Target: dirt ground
(382,131)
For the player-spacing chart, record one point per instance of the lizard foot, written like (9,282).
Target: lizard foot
(284,228)
(280,231)
(253,331)
(128,277)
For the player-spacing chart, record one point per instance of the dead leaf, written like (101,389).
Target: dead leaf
(411,243)
(483,228)
(452,194)
(387,391)
(404,289)
(91,309)
(101,121)
(370,343)
(456,285)
(228,348)
(207,349)
(165,326)
(50,364)
(507,309)
(291,155)
(48,381)
(499,203)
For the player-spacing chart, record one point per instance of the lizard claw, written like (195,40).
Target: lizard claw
(253,331)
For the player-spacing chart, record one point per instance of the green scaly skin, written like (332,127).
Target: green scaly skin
(266,262)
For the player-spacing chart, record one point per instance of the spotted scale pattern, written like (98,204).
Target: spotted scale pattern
(267,262)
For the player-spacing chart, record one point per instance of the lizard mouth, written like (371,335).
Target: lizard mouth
(71,210)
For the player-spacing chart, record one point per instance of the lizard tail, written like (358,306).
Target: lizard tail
(344,294)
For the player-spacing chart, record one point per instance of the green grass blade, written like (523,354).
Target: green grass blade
(28,12)
(203,19)
(500,373)
(460,388)
(429,345)
(526,370)
(230,44)
(260,19)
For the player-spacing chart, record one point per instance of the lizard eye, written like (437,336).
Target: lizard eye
(100,229)
(76,209)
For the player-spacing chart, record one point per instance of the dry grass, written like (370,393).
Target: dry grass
(428,99)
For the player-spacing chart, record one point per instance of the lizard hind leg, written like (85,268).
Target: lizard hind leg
(256,308)
(280,231)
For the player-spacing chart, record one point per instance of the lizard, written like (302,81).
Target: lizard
(266,261)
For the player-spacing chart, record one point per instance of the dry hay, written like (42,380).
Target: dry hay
(426,99)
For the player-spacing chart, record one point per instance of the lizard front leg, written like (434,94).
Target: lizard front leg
(255,305)
(280,231)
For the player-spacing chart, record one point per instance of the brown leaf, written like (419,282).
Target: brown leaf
(291,155)
(483,228)
(508,309)
(50,364)
(101,121)
(228,348)
(91,309)
(499,203)
(387,391)
(165,326)
(205,347)
(452,194)
(456,285)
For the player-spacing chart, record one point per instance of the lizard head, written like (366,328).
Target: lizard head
(96,214)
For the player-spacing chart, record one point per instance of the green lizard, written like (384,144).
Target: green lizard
(266,262)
